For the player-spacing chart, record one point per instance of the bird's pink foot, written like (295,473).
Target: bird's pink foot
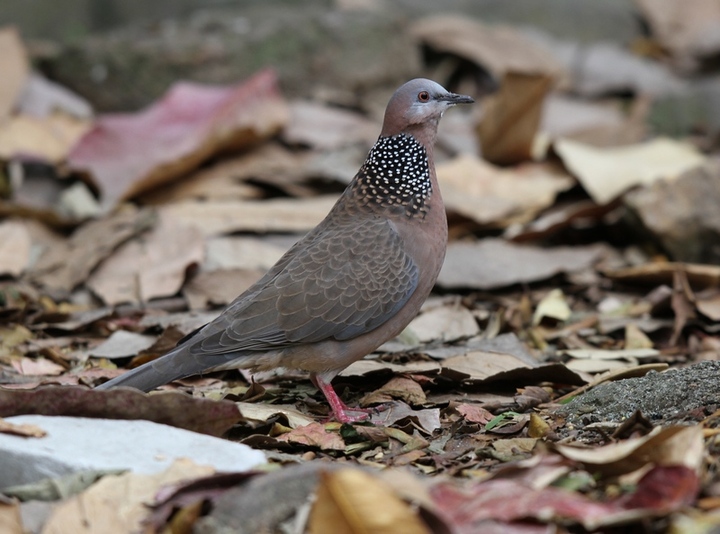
(341,412)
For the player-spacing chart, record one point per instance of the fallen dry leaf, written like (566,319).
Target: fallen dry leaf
(15,244)
(15,66)
(10,519)
(47,139)
(25,430)
(400,387)
(275,215)
(494,263)
(218,288)
(446,323)
(474,413)
(606,173)
(670,446)
(37,367)
(263,412)
(511,117)
(153,265)
(350,500)
(122,344)
(171,408)
(491,195)
(117,504)
(690,29)
(497,49)
(553,306)
(314,435)
(67,263)
(699,276)
(126,154)
(327,128)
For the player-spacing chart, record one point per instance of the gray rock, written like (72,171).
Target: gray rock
(75,444)
(663,398)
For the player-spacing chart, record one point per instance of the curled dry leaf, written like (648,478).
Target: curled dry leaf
(275,215)
(350,500)
(497,49)
(314,435)
(676,445)
(126,154)
(606,173)
(512,116)
(15,244)
(118,504)
(490,195)
(25,430)
(494,263)
(687,30)
(15,67)
(154,266)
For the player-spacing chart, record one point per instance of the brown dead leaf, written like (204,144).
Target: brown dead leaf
(126,154)
(118,504)
(15,244)
(709,306)
(15,66)
(68,263)
(474,413)
(553,306)
(122,344)
(263,412)
(580,121)
(218,288)
(427,419)
(47,139)
(606,173)
(314,435)
(10,519)
(511,117)
(446,323)
(323,127)
(557,217)
(171,408)
(490,195)
(350,500)
(688,29)
(37,367)
(154,265)
(24,430)
(494,263)
(658,273)
(497,49)
(676,445)
(399,387)
(275,215)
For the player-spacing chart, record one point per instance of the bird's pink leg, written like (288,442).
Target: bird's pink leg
(338,407)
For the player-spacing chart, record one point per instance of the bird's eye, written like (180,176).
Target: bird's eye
(423,96)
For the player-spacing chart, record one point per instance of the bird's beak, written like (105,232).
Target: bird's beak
(454,98)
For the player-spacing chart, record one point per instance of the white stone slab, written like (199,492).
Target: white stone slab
(77,444)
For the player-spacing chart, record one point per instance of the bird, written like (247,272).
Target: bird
(350,284)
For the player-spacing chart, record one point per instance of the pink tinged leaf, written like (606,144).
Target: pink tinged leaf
(128,153)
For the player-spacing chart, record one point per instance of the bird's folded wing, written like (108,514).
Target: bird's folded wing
(338,284)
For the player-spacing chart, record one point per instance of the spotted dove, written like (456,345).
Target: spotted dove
(349,285)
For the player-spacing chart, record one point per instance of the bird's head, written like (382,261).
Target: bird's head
(416,108)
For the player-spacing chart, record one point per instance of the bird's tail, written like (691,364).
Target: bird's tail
(150,375)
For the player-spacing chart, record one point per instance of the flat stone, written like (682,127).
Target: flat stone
(75,444)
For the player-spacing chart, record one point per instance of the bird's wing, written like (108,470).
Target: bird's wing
(336,284)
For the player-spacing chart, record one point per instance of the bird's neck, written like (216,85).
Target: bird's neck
(397,177)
